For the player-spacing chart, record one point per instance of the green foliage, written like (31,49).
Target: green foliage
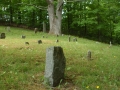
(117,33)
(93,19)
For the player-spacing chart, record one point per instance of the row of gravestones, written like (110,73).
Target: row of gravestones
(55,65)
(2,36)
(35,29)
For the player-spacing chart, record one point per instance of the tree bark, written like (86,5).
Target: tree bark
(55,16)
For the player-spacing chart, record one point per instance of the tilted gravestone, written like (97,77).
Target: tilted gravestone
(2,36)
(55,66)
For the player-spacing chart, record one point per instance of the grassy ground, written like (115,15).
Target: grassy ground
(22,66)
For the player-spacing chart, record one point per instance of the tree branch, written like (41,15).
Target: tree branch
(39,7)
(74,0)
(60,6)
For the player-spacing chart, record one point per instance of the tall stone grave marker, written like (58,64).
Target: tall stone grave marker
(55,66)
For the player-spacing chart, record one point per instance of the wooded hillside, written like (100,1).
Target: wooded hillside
(92,19)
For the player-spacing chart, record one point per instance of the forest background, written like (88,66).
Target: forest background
(93,19)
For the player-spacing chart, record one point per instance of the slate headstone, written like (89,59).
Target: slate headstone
(55,66)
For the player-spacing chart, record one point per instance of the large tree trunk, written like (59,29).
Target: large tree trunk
(55,16)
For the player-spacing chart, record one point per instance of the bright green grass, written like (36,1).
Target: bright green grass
(22,66)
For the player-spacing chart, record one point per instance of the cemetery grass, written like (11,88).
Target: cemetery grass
(22,66)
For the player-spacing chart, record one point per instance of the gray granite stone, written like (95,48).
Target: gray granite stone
(55,66)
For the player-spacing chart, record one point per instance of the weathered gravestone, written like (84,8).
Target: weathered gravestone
(55,66)
(2,36)
(23,36)
(27,43)
(57,40)
(35,30)
(39,41)
(89,55)
(75,40)
(110,44)
(8,29)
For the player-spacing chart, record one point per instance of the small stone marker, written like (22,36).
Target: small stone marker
(44,27)
(2,36)
(75,40)
(89,55)
(23,36)
(39,41)
(35,30)
(27,43)
(69,38)
(57,40)
(55,66)
(8,29)
(110,43)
